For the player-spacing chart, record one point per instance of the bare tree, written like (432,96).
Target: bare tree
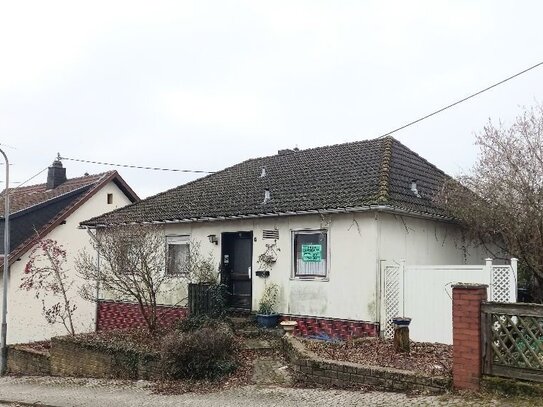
(132,267)
(45,275)
(501,200)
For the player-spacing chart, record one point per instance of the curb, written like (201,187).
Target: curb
(26,403)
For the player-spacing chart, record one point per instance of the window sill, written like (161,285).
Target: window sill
(322,279)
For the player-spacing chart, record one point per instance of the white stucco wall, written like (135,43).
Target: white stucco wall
(358,244)
(349,290)
(25,320)
(424,242)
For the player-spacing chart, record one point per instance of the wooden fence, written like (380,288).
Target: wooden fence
(512,340)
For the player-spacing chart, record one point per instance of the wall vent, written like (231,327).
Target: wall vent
(270,234)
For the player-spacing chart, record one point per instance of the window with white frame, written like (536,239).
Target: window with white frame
(310,253)
(177,254)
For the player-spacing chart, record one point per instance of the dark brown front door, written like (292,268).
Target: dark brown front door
(237,254)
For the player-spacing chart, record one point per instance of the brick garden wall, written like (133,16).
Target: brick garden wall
(122,315)
(467,362)
(338,328)
(309,368)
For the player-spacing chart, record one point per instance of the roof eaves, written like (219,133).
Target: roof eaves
(368,207)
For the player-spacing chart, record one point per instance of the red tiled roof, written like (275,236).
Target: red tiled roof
(65,199)
(28,196)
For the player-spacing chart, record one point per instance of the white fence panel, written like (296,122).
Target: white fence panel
(424,294)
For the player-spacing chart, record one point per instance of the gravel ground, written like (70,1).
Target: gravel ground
(64,392)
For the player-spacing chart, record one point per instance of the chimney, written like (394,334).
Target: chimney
(56,175)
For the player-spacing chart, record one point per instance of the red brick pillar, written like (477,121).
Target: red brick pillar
(467,334)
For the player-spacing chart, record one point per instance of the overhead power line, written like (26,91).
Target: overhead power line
(135,166)
(462,100)
(31,178)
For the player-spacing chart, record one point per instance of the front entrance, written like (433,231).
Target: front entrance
(236,262)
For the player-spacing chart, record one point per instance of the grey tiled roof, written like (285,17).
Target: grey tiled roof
(350,175)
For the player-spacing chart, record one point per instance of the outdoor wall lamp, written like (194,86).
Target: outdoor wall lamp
(213,239)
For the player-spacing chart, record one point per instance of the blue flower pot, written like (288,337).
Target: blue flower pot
(401,321)
(267,321)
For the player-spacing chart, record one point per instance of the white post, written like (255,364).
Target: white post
(513,287)
(401,280)
(490,271)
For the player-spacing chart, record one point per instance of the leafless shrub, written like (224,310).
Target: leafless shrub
(501,199)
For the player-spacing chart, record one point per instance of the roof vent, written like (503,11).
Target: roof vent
(263,173)
(56,175)
(267,196)
(414,188)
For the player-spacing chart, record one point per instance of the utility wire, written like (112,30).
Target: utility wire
(135,166)
(31,178)
(462,100)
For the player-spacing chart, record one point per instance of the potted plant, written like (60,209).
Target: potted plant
(266,315)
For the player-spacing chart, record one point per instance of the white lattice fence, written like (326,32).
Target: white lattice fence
(424,294)
(392,285)
(503,283)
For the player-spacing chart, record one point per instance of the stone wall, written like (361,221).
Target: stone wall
(122,315)
(71,358)
(27,361)
(310,368)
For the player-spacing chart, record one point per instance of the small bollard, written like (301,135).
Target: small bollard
(401,334)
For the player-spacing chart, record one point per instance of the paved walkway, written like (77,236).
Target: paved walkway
(65,392)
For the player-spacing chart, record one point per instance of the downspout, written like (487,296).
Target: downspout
(378,298)
(97,288)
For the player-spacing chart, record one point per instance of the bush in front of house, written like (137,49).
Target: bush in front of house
(195,322)
(204,353)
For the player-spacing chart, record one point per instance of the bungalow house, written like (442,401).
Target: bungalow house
(328,218)
(53,210)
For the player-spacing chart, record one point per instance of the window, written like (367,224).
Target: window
(177,254)
(109,199)
(310,253)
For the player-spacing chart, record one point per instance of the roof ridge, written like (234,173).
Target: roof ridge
(384,172)
(100,175)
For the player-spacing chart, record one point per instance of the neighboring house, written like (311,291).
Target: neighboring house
(331,216)
(53,211)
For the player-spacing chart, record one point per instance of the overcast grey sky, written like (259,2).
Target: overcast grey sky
(207,84)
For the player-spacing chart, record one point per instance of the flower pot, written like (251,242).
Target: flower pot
(267,321)
(288,326)
(401,321)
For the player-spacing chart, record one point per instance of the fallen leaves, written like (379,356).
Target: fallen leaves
(433,359)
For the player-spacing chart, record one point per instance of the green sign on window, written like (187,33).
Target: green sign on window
(311,253)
